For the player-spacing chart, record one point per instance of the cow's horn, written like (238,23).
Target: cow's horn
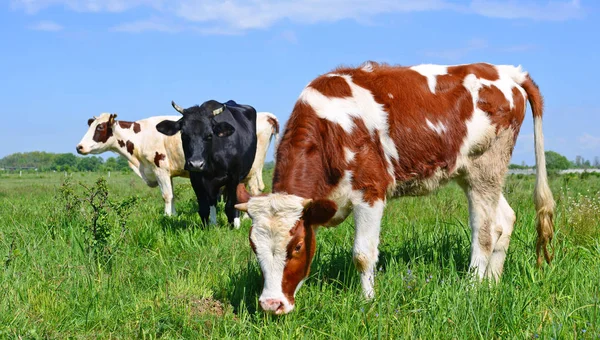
(242,207)
(306,202)
(177,107)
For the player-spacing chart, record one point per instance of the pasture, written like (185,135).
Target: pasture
(167,278)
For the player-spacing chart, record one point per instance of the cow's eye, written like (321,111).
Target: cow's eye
(298,247)
(100,127)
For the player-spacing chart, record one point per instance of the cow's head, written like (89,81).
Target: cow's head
(99,135)
(200,132)
(283,238)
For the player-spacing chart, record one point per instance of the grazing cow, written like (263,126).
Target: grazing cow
(357,136)
(219,143)
(157,158)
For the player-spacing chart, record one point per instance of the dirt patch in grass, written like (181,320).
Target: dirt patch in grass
(207,306)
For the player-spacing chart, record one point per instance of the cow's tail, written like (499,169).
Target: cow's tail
(544,202)
(274,129)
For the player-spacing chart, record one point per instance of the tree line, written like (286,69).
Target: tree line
(47,161)
(556,161)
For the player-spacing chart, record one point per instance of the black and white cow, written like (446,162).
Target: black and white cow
(219,144)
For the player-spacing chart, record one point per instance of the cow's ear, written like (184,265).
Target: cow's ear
(90,121)
(169,127)
(319,211)
(223,129)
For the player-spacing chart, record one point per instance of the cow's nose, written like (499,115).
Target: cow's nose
(79,148)
(271,305)
(195,165)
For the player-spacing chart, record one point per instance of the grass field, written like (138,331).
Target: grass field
(167,278)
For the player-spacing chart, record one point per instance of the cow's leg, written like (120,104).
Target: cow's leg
(230,210)
(202,196)
(482,182)
(505,220)
(366,242)
(259,178)
(482,214)
(166,188)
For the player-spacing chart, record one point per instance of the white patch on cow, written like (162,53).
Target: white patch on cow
(366,242)
(213,215)
(508,77)
(439,128)
(344,197)
(391,95)
(236,223)
(360,105)
(479,126)
(349,155)
(431,72)
(273,216)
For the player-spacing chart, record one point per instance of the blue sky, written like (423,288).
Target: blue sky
(63,61)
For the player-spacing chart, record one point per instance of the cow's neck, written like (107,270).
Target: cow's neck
(126,143)
(299,170)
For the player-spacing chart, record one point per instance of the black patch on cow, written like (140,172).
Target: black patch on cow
(130,147)
(158,157)
(121,143)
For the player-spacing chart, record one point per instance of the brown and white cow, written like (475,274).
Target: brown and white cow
(357,136)
(157,158)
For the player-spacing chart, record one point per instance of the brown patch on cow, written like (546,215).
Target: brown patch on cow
(102,133)
(158,157)
(333,87)
(300,252)
(242,194)
(130,147)
(361,262)
(124,124)
(480,70)
(274,123)
(485,237)
(121,143)
(127,125)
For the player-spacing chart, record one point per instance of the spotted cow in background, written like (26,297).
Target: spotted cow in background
(358,136)
(157,158)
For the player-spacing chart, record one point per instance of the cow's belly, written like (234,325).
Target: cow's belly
(422,187)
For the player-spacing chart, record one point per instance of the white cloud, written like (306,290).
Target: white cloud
(240,15)
(530,9)
(588,141)
(48,26)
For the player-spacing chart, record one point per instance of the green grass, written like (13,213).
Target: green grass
(171,279)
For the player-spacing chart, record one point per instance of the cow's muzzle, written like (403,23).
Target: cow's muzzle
(195,165)
(275,305)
